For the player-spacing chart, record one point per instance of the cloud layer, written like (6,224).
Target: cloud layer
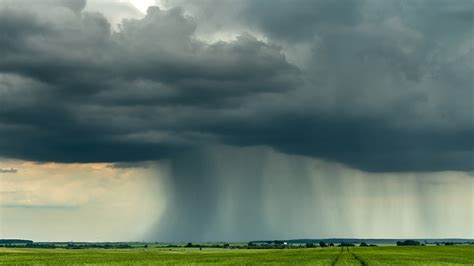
(380,86)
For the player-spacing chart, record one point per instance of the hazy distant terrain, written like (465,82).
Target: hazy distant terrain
(377,241)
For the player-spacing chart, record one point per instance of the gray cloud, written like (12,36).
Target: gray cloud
(377,86)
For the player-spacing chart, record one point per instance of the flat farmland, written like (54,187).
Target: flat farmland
(388,255)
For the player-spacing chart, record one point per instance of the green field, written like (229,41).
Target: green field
(388,255)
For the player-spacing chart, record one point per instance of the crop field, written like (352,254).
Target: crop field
(388,255)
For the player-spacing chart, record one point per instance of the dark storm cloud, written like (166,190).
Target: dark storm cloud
(73,91)
(382,86)
(363,144)
(303,18)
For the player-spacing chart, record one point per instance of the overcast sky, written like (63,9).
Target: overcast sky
(113,95)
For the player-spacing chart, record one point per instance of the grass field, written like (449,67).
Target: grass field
(388,255)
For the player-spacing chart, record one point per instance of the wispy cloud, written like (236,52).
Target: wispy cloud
(8,170)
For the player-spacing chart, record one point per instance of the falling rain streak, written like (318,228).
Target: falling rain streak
(245,194)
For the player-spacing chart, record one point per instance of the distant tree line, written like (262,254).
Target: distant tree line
(408,243)
(29,245)
(15,241)
(363,244)
(275,244)
(97,245)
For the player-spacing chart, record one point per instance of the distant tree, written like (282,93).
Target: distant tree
(189,245)
(408,243)
(226,245)
(309,245)
(363,244)
(146,246)
(322,244)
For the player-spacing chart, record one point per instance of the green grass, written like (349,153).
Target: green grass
(162,256)
(430,255)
